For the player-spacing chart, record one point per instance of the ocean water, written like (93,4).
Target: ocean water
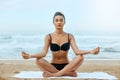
(11,46)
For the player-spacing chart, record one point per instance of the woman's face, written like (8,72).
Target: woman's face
(59,22)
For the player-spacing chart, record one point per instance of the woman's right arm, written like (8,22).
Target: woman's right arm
(42,53)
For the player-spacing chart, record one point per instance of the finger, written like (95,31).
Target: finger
(98,49)
(23,52)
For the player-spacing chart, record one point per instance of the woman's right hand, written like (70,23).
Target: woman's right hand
(25,55)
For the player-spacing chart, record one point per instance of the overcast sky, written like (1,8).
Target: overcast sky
(85,17)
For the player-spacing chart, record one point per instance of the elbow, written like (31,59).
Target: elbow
(77,52)
(43,54)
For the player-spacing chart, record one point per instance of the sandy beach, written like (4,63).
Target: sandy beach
(9,68)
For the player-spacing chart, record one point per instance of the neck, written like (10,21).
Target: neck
(59,31)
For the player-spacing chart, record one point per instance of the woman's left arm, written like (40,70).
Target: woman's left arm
(81,52)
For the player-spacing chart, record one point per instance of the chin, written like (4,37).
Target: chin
(59,27)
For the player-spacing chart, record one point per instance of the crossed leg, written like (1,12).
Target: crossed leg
(45,66)
(69,69)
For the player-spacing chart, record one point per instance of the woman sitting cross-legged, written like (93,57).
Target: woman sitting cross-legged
(59,43)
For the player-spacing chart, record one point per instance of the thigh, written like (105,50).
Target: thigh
(76,61)
(44,65)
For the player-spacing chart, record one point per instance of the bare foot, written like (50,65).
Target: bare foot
(73,74)
(47,74)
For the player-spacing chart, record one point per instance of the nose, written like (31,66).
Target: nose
(59,22)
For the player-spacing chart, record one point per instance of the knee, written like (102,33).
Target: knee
(39,61)
(80,57)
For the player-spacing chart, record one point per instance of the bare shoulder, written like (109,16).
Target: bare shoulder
(71,36)
(47,37)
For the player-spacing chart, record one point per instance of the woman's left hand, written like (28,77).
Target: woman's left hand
(96,50)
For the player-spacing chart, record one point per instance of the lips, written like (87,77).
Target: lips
(59,25)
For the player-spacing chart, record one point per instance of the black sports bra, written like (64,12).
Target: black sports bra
(56,47)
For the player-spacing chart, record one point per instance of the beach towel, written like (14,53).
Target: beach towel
(85,75)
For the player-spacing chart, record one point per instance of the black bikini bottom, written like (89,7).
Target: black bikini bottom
(59,66)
